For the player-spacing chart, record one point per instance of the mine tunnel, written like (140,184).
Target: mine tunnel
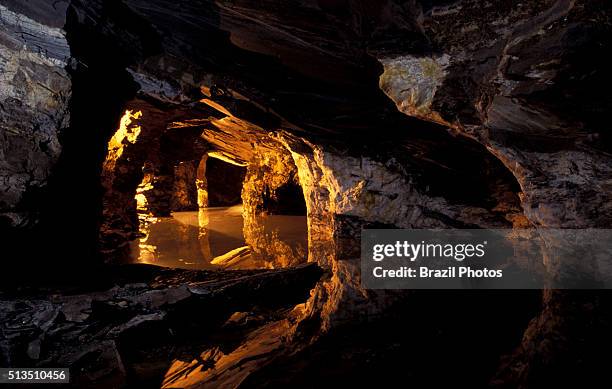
(184,187)
(201,209)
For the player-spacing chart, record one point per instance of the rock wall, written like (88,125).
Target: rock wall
(504,91)
(122,173)
(516,80)
(144,148)
(266,173)
(35,90)
(345,194)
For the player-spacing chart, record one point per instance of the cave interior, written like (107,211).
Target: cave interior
(184,185)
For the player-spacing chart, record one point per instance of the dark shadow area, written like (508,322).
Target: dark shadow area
(224,183)
(288,199)
(432,339)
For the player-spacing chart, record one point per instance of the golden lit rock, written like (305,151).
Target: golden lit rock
(128,131)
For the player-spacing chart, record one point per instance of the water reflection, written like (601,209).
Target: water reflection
(218,237)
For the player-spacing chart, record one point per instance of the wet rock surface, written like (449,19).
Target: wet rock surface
(129,333)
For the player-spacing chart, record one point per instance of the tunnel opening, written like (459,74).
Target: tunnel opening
(288,199)
(225,180)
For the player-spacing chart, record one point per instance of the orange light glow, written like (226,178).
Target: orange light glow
(127,131)
(225,158)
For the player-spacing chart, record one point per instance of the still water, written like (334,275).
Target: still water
(213,238)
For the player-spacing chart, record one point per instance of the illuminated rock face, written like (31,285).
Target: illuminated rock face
(345,194)
(122,173)
(266,174)
(35,90)
(510,103)
(202,182)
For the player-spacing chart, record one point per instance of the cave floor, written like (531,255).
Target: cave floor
(133,325)
(215,237)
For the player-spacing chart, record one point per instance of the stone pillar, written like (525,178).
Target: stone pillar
(201,183)
(266,174)
(157,189)
(185,193)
